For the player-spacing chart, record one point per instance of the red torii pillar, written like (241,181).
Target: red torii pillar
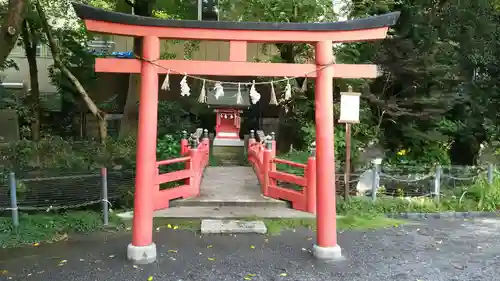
(143,249)
(142,231)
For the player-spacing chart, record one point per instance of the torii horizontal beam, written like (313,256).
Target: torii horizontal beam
(371,28)
(238,68)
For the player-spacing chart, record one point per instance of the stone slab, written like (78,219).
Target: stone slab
(228,142)
(232,226)
(231,212)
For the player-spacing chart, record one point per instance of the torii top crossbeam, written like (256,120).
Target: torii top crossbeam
(238,34)
(322,35)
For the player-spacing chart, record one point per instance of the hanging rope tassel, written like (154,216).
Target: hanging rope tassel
(165,86)
(203,94)
(254,95)
(288,90)
(304,86)
(273,100)
(239,97)
(219,90)
(185,90)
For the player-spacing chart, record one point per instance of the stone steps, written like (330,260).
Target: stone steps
(232,212)
(215,202)
(225,213)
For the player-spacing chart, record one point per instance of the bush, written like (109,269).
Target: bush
(486,195)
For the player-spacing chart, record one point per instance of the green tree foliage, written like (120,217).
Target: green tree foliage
(438,91)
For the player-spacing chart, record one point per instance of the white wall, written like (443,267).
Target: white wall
(23,74)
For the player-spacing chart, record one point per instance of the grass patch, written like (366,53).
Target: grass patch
(183,224)
(350,222)
(275,226)
(47,228)
(193,225)
(295,156)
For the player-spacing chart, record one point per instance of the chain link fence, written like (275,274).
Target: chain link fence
(49,190)
(53,190)
(413,181)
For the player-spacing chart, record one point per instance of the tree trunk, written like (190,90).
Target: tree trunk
(11,27)
(130,120)
(30,44)
(100,115)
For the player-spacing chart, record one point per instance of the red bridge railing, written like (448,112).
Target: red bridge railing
(195,153)
(262,156)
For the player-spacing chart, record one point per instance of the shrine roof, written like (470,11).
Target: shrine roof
(229,99)
(91,13)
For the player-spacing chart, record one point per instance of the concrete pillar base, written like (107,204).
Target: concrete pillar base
(141,254)
(327,253)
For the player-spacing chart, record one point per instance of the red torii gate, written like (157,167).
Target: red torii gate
(322,35)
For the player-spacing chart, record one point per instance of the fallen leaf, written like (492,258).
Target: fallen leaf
(111,256)
(157,229)
(309,239)
(172,251)
(247,278)
(251,275)
(458,266)
(63,261)
(82,260)
(283,274)
(211,259)
(175,227)
(209,246)
(150,278)
(36,244)
(135,266)
(169,225)
(252,247)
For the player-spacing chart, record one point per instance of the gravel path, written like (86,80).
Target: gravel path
(431,250)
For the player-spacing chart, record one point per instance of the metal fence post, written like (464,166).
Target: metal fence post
(105,202)
(490,173)
(13,199)
(375,179)
(437,182)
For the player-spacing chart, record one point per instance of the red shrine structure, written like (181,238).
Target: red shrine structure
(322,35)
(228,109)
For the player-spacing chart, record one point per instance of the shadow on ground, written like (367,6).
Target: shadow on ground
(432,250)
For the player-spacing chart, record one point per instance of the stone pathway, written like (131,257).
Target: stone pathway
(432,250)
(229,186)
